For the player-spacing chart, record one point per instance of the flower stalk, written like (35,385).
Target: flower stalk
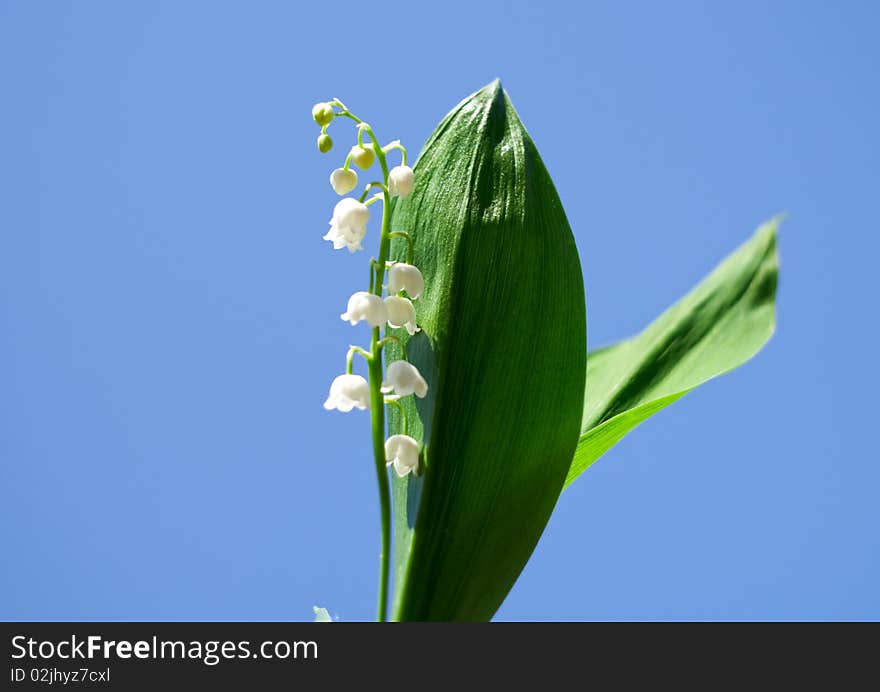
(348,227)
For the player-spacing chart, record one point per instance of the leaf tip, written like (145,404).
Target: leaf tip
(492,93)
(770,228)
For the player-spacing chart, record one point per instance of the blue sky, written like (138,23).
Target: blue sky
(170,312)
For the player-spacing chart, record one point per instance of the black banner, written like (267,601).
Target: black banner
(267,656)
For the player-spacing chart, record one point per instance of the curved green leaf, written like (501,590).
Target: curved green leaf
(503,348)
(717,327)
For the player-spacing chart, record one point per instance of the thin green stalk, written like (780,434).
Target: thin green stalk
(400,407)
(377,408)
(377,404)
(375,369)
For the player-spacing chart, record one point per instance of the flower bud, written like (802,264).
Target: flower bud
(401,313)
(402,451)
(348,392)
(403,378)
(323,113)
(343,180)
(400,181)
(325,144)
(365,306)
(363,157)
(405,277)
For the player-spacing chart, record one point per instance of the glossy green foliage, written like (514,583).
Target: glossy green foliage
(718,326)
(503,347)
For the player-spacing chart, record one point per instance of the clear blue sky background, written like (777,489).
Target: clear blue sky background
(170,314)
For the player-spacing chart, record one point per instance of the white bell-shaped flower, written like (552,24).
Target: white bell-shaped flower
(403,378)
(400,181)
(348,392)
(366,306)
(343,180)
(405,277)
(348,225)
(401,313)
(402,452)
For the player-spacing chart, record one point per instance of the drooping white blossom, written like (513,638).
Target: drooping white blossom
(405,277)
(348,225)
(403,378)
(343,180)
(365,306)
(400,181)
(401,313)
(348,392)
(402,451)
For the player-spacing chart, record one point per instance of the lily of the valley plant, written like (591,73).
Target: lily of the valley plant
(477,360)
(383,306)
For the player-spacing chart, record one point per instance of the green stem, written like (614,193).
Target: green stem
(377,408)
(400,407)
(377,405)
(377,399)
(396,145)
(409,244)
(395,339)
(368,187)
(350,357)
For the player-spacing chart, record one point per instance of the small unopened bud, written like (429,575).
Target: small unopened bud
(362,157)
(325,144)
(322,113)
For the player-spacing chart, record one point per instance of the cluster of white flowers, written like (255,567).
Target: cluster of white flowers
(348,227)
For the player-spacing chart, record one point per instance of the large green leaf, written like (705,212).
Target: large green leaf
(718,326)
(503,348)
